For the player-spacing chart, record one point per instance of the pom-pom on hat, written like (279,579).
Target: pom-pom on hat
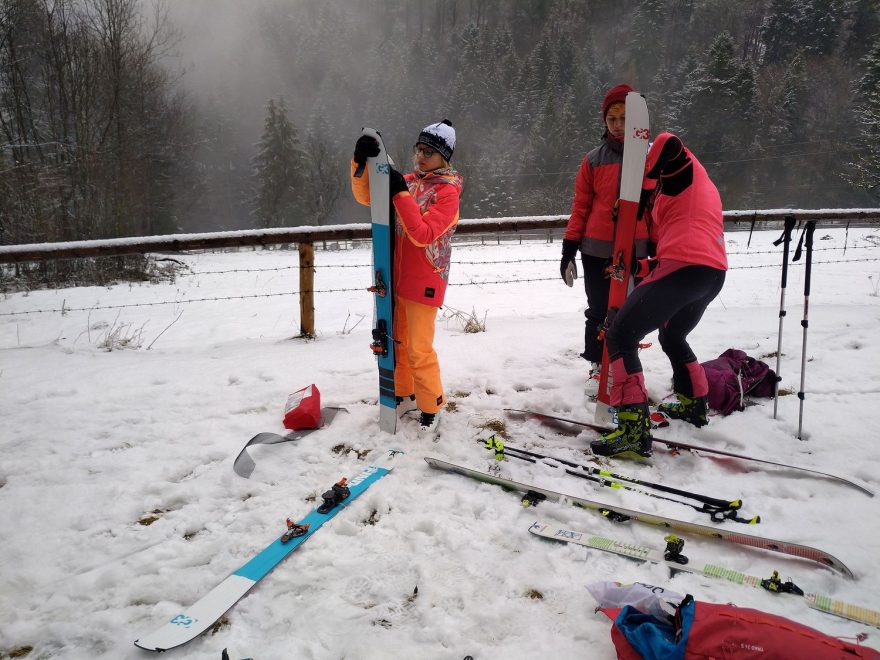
(616,94)
(440,137)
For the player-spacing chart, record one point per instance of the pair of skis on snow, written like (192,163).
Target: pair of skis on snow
(673,557)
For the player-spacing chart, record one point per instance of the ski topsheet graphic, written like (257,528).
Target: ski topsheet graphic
(191,623)
(535,494)
(632,172)
(382,217)
(675,560)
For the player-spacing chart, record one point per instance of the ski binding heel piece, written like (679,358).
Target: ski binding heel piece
(533,499)
(334,496)
(674,546)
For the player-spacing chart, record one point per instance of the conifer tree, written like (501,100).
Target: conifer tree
(867,163)
(278,171)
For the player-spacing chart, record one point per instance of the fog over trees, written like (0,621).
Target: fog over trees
(126,117)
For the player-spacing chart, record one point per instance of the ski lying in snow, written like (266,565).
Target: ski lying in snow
(382,217)
(673,445)
(675,560)
(202,615)
(637,132)
(535,494)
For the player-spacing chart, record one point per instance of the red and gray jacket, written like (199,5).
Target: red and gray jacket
(596,190)
(426,220)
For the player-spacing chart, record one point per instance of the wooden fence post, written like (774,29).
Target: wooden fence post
(306,290)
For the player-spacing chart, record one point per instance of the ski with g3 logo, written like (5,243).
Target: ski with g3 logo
(637,133)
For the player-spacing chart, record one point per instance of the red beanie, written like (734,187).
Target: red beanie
(616,94)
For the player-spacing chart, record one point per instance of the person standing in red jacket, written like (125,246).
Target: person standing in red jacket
(591,225)
(686,220)
(426,203)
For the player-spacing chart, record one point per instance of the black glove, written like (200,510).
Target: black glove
(398,183)
(569,251)
(365,147)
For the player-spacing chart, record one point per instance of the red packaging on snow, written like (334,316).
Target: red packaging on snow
(303,409)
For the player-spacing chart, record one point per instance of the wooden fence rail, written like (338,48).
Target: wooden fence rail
(306,237)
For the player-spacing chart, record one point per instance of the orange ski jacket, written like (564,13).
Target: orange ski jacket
(426,219)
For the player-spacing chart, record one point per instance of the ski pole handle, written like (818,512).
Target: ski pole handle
(811,227)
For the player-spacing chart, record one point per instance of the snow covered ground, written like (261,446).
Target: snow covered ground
(96,443)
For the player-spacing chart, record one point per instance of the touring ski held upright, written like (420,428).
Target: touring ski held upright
(637,133)
(673,558)
(188,625)
(382,217)
(535,494)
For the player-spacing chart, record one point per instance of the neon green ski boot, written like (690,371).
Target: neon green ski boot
(693,411)
(632,436)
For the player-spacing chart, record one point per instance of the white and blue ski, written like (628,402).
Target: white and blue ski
(673,559)
(382,217)
(191,623)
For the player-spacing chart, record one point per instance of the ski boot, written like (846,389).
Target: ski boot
(591,389)
(693,411)
(334,496)
(632,436)
(406,404)
(429,423)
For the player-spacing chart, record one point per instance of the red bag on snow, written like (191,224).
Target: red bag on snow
(303,409)
(707,630)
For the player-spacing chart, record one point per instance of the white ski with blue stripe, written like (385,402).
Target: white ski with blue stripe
(191,623)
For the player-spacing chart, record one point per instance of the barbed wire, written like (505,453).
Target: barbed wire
(482,263)
(64,309)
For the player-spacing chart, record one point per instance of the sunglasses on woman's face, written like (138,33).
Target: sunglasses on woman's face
(423,151)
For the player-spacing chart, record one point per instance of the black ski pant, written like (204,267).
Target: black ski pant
(596,285)
(675,304)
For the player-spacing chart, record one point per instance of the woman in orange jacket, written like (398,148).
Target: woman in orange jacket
(591,225)
(426,202)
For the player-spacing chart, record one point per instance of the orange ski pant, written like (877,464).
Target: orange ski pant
(417,369)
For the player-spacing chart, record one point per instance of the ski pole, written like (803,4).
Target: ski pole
(719,510)
(810,228)
(499,447)
(785,239)
(717,514)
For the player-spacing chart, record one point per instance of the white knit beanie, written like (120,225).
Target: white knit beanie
(440,137)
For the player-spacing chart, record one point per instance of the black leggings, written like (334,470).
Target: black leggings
(596,285)
(674,304)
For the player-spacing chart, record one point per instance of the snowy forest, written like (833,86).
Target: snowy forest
(128,117)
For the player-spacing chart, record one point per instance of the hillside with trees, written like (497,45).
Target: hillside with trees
(103,135)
